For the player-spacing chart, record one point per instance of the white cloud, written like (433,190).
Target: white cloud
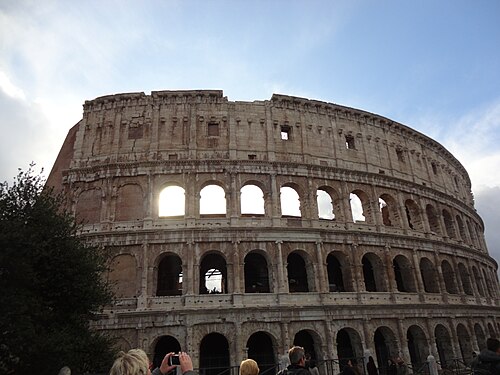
(9,88)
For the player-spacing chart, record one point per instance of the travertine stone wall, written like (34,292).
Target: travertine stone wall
(416,273)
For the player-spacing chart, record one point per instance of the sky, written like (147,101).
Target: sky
(431,65)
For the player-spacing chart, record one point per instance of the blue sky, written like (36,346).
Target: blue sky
(431,65)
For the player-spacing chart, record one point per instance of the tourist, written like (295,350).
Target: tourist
(346,367)
(297,357)
(488,360)
(249,367)
(371,368)
(185,364)
(134,362)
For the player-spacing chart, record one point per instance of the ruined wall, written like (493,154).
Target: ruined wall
(413,278)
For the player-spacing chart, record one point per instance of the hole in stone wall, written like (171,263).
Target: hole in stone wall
(172,201)
(325,206)
(290,202)
(212,200)
(356,208)
(252,200)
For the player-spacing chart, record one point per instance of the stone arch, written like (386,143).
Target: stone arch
(465,279)
(256,273)
(88,206)
(488,282)
(261,349)
(291,200)
(123,275)
(252,202)
(339,274)
(464,343)
(373,273)
(444,346)
(429,276)
(349,344)
(417,346)
(169,279)
(389,210)
(461,228)
(478,280)
(162,346)
(491,330)
(330,203)
(480,336)
(214,354)
(120,343)
(413,215)
(172,201)
(129,203)
(386,346)
(213,273)
(404,274)
(472,234)
(433,219)
(450,280)
(310,341)
(213,200)
(298,277)
(359,198)
(448,224)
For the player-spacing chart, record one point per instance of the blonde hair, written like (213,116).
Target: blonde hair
(134,362)
(249,367)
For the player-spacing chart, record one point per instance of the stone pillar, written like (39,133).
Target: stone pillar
(142,300)
(418,274)
(189,270)
(238,270)
(403,343)
(323,280)
(390,271)
(282,285)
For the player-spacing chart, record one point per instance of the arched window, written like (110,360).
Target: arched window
(252,200)
(450,280)
(465,279)
(325,205)
(169,276)
(404,275)
(212,200)
(297,273)
(290,202)
(256,274)
(213,274)
(433,219)
(357,208)
(172,201)
(373,273)
(448,224)
(388,208)
(413,215)
(429,276)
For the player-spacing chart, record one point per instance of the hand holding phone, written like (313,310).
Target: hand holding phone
(173,360)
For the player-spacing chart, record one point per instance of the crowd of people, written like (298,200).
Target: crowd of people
(136,362)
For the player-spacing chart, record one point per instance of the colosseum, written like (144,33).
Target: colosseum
(238,229)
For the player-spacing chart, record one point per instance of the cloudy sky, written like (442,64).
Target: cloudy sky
(431,65)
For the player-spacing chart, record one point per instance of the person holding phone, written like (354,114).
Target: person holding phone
(172,360)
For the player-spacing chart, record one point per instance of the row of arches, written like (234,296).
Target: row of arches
(342,273)
(215,352)
(255,199)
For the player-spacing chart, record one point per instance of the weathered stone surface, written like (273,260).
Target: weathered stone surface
(415,273)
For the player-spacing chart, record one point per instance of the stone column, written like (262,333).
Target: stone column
(282,286)
(142,301)
(323,280)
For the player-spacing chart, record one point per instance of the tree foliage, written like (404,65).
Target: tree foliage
(51,284)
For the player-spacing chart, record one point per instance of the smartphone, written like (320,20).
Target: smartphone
(173,360)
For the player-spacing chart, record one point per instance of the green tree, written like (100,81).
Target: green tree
(51,285)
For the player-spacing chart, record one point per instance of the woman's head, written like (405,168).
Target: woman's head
(134,362)
(249,367)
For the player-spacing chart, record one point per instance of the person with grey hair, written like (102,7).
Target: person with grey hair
(297,357)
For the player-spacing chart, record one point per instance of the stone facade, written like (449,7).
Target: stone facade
(411,277)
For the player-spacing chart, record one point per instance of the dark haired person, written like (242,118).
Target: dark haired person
(488,361)
(297,357)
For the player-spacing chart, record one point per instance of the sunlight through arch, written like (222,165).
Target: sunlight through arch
(172,201)
(252,200)
(212,200)
(325,206)
(356,208)
(290,202)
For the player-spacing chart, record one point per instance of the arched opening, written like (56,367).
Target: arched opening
(388,208)
(213,274)
(491,331)
(325,205)
(169,276)
(464,342)
(290,202)
(432,218)
(164,345)
(448,224)
(480,337)
(305,339)
(372,273)
(488,283)
(403,273)
(357,209)
(385,347)
(349,345)
(88,206)
(214,355)
(450,280)
(478,280)
(417,346)
(261,350)
(429,276)
(212,201)
(461,228)
(413,215)
(335,275)
(172,202)
(465,279)
(297,273)
(252,200)
(444,347)
(472,234)
(256,274)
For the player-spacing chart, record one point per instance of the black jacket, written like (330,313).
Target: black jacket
(487,362)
